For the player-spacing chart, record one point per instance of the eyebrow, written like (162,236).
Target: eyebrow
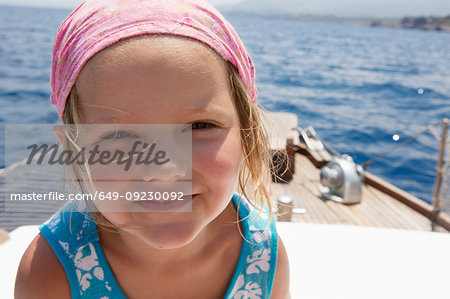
(199,109)
(207,110)
(214,108)
(108,110)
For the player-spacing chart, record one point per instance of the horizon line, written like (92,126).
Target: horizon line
(262,12)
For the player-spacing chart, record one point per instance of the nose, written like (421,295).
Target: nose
(172,170)
(170,154)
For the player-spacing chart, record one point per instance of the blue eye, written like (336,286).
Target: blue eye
(118,135)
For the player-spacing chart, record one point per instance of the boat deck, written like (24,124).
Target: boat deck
(382,204)
(377,209)
(22,179)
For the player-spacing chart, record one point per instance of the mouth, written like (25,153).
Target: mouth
(181,204)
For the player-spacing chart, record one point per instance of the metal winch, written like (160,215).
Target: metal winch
(341,179)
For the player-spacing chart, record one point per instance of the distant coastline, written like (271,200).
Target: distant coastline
(428,23)
(423,23)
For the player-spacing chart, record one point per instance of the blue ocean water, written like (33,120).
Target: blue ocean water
(358,86)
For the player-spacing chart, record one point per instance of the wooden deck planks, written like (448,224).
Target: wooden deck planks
(393,212)
(25,179)
(376,209)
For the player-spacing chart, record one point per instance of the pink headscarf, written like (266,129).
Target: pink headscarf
(97,24)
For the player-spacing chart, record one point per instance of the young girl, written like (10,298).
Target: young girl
(162,62)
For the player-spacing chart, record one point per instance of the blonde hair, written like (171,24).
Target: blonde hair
(254,176)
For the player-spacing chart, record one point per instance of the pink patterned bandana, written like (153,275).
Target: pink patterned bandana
(97,24)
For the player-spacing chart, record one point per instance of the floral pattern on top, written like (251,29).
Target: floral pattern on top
(74,239)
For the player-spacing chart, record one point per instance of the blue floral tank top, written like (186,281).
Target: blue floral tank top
(74,239)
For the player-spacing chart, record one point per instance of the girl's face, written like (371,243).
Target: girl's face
(168,80)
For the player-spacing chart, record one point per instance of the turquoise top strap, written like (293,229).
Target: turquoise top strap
(255,271)
(74,238)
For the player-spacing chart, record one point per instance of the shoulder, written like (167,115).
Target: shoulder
(280,288)
(40,274)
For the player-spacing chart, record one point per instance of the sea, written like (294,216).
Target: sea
(363,89)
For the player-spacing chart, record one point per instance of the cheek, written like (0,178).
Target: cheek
(218,158)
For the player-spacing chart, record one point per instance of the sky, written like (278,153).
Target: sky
(352,8)
(74,3)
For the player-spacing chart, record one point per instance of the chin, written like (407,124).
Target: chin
(168,236)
